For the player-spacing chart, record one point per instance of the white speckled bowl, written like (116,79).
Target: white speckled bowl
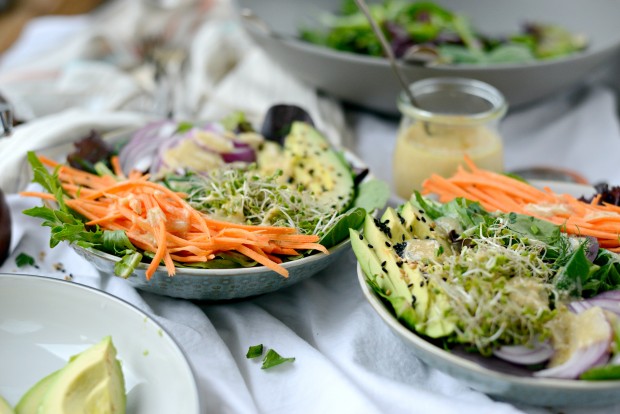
(217,284)
(495,377)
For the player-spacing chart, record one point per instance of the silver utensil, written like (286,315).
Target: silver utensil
(388,50)
(6,118)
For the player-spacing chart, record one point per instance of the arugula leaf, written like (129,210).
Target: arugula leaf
(48,181)
(574,275)
(24,259)
(254,351)
(273,359)
(128,263)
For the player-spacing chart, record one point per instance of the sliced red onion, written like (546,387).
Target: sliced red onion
(582,360)
(610,294)
(579,306)
(525,355)
(139,152)
(611,305)
(593,334)
(246,154)
(609,300)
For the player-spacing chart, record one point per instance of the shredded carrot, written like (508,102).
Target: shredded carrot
(160,221)
(498,192)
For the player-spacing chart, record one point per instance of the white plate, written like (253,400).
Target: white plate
(44,321)
(493,376)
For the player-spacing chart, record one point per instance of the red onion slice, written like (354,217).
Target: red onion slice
(582,360)
(579,306)
(244,154)
(610,294)
(525,355)
(142,148)
(590,337)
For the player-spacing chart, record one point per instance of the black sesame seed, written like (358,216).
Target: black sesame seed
(423,219)
(387,244)
(384,263)
(370,246)
(361,237)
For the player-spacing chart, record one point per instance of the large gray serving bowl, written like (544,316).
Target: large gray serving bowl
(370,82)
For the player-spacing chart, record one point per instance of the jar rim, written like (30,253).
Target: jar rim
(497,105)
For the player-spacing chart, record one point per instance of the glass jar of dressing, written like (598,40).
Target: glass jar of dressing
(450,117)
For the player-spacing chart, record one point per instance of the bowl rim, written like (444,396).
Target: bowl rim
(204,272)
(356,58)
(463,363)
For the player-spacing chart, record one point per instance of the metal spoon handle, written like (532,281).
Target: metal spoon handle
(387,49)
(6,119)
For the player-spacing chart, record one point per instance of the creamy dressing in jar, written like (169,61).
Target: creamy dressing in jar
(451,117)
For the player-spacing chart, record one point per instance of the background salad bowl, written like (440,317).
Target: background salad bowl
(230,274)
(275,26)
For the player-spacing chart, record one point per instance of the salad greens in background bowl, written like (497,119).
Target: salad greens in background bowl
(284,174)
(505,302)
(529,49)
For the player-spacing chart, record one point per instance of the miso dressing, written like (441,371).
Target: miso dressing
(450,118)
(422,150)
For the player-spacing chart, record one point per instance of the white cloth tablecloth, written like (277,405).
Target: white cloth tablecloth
(347,359)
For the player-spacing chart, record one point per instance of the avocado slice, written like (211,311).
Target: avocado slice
(418,230)
(371,266)
(32,399)
(92,382)
(313,165)
(421,226)
(5,407)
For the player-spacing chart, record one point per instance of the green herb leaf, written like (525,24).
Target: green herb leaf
(24,259)
(273,359)
(254,351)
(605,372)
(372,195)
(351,220)
(128,263)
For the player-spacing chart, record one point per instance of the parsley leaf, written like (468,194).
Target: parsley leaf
(24,259)
(254,351)
(273,358)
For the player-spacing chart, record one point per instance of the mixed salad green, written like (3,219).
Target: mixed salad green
(504,285)
(412,26)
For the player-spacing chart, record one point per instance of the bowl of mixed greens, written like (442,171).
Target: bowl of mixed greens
(507,302)
(207,210)
(528,49)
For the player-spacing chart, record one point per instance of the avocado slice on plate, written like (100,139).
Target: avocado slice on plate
(5,407)
(32,399)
